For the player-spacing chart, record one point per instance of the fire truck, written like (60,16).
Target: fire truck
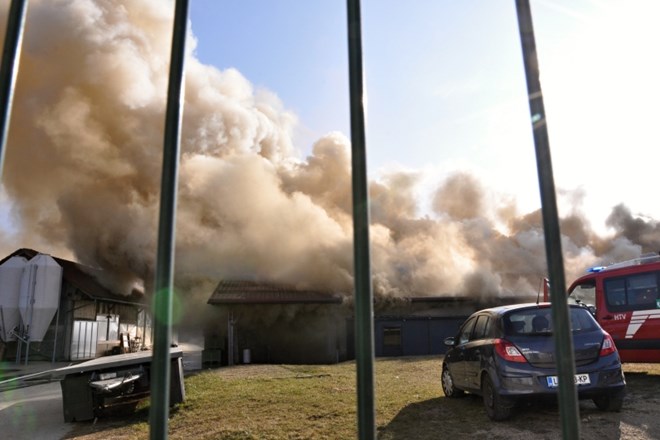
(624,299)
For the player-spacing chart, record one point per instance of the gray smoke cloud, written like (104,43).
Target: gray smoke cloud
(82,178)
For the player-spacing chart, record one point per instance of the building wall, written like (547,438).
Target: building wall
(295,334)
(413,336)
(57,342)
(301,334)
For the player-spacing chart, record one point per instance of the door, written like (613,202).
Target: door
(474,353)
(633,315)
(392,340)
(83,340)
(457,357)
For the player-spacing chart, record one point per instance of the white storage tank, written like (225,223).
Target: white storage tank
(40,294)
(11,273)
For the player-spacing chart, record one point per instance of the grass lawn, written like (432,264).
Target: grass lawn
(280,402)
(319,402)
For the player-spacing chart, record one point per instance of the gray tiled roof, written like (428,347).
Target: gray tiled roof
(252,292)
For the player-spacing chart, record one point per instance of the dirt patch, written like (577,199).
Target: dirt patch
(466,418)
(257,371)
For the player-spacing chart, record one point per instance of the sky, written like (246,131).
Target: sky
(446,89)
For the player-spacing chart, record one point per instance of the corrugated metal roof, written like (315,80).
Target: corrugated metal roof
(252,292)
(81,277)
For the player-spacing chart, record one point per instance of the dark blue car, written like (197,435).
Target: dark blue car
(507,353)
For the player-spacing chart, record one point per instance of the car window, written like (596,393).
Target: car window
(528,321)
(491,329)
(518,323)
(466,330)
(538,321)
(480,327)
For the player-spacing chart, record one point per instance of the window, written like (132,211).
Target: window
(491,330)
(615,294)
(108,327)
(584,294)
(466,330)
(643,290)
(392,336)
(634,292)
(530,322)
(480,327)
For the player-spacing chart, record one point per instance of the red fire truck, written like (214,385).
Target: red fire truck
(624,299)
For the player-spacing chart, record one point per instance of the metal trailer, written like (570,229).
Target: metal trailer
(90,387)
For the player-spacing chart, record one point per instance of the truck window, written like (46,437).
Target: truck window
(633,292)
(584,294)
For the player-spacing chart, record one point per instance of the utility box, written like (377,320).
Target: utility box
(89,387)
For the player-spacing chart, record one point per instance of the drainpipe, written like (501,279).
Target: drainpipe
(230,339)
(33,276)
(57,326)
(107,328)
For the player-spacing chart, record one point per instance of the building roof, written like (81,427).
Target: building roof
(440,299)
(83,279)
(252,292)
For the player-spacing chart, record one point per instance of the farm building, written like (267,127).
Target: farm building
(269,323)
(55,309)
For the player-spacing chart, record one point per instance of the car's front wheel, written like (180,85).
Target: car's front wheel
(448,386)
(497,407)
(609,402)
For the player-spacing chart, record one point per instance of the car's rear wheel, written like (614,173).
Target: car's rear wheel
(448,386)
(497,407)
(609,402)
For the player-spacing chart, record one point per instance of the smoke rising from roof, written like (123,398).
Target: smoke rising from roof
(82,174)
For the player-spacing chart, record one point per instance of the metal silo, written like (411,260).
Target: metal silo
(40,295)
(11,273)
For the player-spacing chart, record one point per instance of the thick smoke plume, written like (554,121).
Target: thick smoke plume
(82,178)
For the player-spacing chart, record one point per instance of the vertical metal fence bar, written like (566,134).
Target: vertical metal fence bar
(162,310)
(364,333)
(568,406)
(11,54)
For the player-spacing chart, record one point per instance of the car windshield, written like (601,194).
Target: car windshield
(538,321)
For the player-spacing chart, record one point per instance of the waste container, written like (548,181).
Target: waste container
(89,387)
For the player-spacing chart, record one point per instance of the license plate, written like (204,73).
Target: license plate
(580,379)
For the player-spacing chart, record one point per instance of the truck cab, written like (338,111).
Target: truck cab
(624,299)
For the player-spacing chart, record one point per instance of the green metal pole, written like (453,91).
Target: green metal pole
(162,310)
(364,333)
(9,69)
(568,404)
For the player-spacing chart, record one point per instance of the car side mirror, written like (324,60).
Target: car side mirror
(450,341)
